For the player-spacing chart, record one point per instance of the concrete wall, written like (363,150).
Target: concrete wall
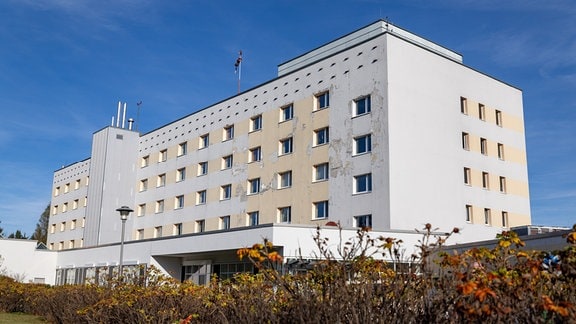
(21,260)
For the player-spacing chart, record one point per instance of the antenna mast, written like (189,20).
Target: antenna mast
(238,68)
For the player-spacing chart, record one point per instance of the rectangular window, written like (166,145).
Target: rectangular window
(161,181)
(255,154)
(143,184)
(321,136)
(363,221)
(202,168)
(77,184)
(254,186)
(501,151)
(64,207)
(225,222)
(485,180)
(498,118)
(321,209)
(182,148)
(177,229)
(75,204)
(85,201)
(66,188)
(56,191)
(52,228)
(253,218)
(256,123)
(483,146)
(481,112)
(55,210)
(285,179)
(502,183)
(158,231)
(200,226)
(322,100)
(465,141)
(140,234)
(363,183)
(227,162)
(285,214)
(286,113)
(145,161)
(467,176)
(179,202)
(468,213)
(201,197)
(504,219)
(362,106)
(159,206)
(141,210)
(487,216)
(463,106)
(71,244)
(181,174)
(204,141)
(362,144)
(321,172)
(163,156)
(226,192)
(73,224)
(62,226)
(228,133)
(286,146)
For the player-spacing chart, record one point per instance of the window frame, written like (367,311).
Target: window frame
(286,146)
(203,141)
(367,106)
(226,192)
(159,208)
(163,155)
(483,146)
(253,218)
(227,162)
(200,226)
(326,174)
(225,222)
(256,123)
(285,214)
(466,141)
(286,113)
(322,136)
(161,180)
(467,176)
(322,100)
(481,112)
(464,105)
(502,184)
(363,178)
(182,148)
(180,174)
(366,141)
(485,180)
(255,154)
(253,186)
(228,133)
(363,221)
(501,151)
(321,209)
(487,216)
(179,202)
(469,212)
(201,197)
(202,168)
(498,116)
(285,179)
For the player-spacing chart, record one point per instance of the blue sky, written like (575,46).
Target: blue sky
(65,64)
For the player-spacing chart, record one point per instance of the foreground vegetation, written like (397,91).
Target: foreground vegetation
(502,284)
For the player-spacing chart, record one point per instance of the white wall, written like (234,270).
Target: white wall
(21,260)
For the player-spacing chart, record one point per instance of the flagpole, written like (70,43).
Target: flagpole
(238,68)
(239,75)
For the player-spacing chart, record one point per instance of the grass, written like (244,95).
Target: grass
(20,318)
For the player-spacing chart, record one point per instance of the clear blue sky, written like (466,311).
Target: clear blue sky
(64,65)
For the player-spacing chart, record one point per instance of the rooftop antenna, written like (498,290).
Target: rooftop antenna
(138,104)
(238,68)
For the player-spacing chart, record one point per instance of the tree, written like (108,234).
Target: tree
(18,235)
(41,231)
(1,231)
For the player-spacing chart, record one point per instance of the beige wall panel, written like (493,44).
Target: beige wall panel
(515,187)
(512,122)
(513,154)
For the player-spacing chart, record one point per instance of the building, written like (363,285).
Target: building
(379,128)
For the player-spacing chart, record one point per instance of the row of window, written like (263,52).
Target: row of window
(481,111)
(73,225)
(71,244)
(488,220)
(483,145)
(485,180)
(67,186)
(65,206)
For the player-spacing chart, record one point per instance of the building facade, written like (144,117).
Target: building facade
(379,128)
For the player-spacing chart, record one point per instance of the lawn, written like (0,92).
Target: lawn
(19,318)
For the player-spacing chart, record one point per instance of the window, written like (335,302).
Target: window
(487,216)
(179,202)
(321,136)
(228,133)
(362,106)
(159,206)
(321,172)
(64,207)
(254,186)
(87,181)
(502,183)
(363,221)
(362,144)
(158,231)
(227,162)
(182,148)
(163,156)
(71,244)
(256,123)
(202,168)
(143,184)
(66,188)
(204,141)
(56,191)
(141,210)
(62,226)
(52,228)
(255,154)
(286,113)
(253,218)
(225,192)
(285,214)
(161,181)
(181,174)
(200,226)
(467,176)
(201,197)
(75,204)
(322,100)
(225,222)
(501,151)
(504,219)
(286,146)
(363,183)
(145,161)
(463,106)
(83,222)
(468,213)
(498,118)
(321,209)
(85,201)
(55,210)
(485,179)
(73,224)
(285,179)
(481,112)
(77,184)
(177,229)
(483,146)
(140,234)
(465,141)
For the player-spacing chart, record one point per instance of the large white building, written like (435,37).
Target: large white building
(378,128)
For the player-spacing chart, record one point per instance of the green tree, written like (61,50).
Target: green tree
(1,231)
(41,231)
(18,235)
